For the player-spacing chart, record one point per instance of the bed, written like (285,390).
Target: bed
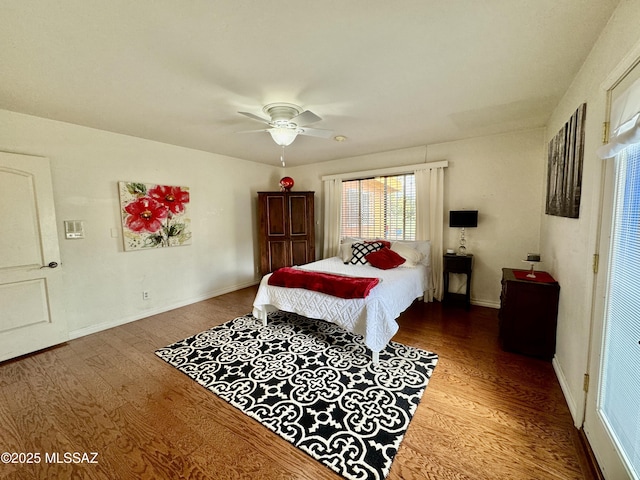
(374,316)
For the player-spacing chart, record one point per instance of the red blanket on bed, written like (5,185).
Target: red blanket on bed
(336,285)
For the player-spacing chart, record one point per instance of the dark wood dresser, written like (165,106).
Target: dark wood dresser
(528,313)
(286,232)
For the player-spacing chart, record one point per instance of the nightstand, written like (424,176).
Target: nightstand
(457,264)
(528,313)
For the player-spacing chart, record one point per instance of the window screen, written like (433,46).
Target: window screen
(380,207)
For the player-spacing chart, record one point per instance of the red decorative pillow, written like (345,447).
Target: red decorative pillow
(385,259)
(385,243)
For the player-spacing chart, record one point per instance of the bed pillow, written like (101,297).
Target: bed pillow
(385,259)
(422,246)
(385,243)
(345,252)
(359,251)
(411,255)
(345,248)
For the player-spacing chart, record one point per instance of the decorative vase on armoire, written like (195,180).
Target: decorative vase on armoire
(286,232)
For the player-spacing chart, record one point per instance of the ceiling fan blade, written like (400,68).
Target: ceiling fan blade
(305,118)
(255,117)
(254,131)
(315,132)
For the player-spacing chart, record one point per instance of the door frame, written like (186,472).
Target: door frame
(600,442)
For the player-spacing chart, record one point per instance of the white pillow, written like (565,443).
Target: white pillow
(423,247)
(345,248)
(345,252)
(411,255)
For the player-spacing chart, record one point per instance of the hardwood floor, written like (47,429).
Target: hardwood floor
(486,414)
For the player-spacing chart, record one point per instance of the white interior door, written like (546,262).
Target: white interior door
(31,316)
(598,425)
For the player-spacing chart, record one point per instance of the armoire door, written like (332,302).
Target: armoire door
(286,230)
(276,232)
(302,246)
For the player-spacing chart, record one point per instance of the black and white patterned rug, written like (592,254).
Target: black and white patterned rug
(314,384)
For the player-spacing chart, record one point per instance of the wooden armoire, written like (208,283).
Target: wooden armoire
(286,231)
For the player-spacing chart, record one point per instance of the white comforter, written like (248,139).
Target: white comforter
(373,317)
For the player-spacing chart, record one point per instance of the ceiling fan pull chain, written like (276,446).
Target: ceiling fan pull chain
(282,156)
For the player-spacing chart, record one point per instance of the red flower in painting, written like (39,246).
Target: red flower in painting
(145,214)
(173,198)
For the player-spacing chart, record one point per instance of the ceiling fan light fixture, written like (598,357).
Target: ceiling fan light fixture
(287,121)
(283,136)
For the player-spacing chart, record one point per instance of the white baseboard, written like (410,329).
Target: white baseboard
(577,412)
(485,303)
(575,408)
(81,332)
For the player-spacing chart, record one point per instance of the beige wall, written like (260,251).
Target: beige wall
(567,244)
(501,176)
(103,284)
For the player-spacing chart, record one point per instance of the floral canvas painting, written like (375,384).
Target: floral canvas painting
(154,216)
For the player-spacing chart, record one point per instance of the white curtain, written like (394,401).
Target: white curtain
(430,220)
(332,217)
(429,212)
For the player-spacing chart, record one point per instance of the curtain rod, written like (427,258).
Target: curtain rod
(387,171)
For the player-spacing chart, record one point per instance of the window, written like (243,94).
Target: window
(380,207)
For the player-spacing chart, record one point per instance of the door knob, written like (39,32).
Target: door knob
(51,265)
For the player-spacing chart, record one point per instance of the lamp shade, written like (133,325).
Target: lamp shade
(463,218)
(283,136)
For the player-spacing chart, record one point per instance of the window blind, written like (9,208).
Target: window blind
(620,387)
(379,207)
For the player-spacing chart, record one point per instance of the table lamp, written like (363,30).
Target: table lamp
(533,259)
(463,219)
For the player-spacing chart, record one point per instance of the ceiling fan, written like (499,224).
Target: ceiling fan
(287,121)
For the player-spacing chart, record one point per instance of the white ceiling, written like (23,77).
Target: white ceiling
(385,74)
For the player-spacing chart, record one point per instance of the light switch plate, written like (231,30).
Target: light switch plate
(73,229)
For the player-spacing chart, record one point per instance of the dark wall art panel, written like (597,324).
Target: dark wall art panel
(564,172)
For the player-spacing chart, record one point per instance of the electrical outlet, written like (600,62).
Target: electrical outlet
(146,295)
